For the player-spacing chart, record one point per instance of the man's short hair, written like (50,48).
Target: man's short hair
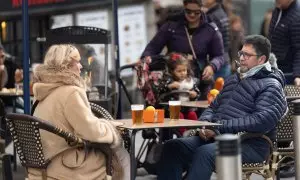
(199,2)
(261,45)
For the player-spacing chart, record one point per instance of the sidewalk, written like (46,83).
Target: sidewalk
(142,174)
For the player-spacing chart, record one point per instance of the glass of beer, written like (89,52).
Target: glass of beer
(137,113)
(174,108)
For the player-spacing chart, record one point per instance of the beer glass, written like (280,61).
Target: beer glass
(137,113)
(174,108)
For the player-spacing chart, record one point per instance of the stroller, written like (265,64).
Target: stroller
(149,75)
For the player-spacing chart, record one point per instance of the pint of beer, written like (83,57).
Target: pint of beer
(174,108)
(137,113)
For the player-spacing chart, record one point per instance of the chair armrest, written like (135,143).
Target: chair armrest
(245,136)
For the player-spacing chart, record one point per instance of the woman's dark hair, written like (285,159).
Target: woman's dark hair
(199,2)
(175,59)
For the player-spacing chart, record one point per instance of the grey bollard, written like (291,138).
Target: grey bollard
(296,126)
(228,160)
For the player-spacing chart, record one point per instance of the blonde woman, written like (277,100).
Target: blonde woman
(63,101)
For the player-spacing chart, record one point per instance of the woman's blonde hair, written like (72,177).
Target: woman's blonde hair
(61,56)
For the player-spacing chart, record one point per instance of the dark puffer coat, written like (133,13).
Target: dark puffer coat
(206,40)
(254,104)
(284,35)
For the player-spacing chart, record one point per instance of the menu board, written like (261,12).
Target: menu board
(97,19)
(62,21)
(132,33)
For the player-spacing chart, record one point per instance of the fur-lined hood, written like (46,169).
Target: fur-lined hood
(46,79)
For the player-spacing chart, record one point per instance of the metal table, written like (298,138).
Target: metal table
(166,124)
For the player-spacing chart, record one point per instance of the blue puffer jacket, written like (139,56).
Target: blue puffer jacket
(254,104)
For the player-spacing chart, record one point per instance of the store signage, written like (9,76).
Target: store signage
(12,5)
(18,3)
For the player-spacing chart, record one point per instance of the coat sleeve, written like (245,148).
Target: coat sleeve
(209,112)
(159,41)
(269,109)
(295,42)
(85,124)
(207,115)
(163,84)
(216,51)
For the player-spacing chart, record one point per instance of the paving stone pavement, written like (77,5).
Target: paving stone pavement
(142,174)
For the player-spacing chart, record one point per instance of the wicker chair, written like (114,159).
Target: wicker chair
(260,168)
(25,131)
(285,134)
(100,112)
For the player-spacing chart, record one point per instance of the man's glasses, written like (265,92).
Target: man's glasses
(190,11)
(246,55)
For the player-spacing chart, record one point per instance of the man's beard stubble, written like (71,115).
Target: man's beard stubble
(244,69)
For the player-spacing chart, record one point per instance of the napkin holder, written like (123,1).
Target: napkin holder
(156,116)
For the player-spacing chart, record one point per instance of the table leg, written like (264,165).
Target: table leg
(132,155)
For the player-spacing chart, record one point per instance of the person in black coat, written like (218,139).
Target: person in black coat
(284,34)
(216,14)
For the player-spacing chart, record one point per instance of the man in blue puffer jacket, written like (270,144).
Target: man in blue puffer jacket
(252,100)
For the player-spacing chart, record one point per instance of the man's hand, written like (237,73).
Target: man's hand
(174,85)
(207,134)
(193,94)
(147,59)
(297,81)
(18,75)
(208,73)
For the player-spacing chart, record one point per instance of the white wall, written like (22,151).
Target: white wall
(166,3)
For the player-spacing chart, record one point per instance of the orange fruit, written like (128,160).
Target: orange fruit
(150,108)
(210,98)
(214,92)
(212,95)
(219,83)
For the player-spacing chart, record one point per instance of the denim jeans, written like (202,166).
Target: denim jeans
(198,157)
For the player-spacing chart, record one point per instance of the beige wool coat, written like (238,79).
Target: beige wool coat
(63,102)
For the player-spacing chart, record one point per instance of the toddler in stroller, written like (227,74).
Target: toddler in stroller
(168,78)
(160,79)
(164,78)
(178,83)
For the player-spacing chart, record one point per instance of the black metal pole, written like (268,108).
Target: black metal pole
(26,62)
(117,54)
